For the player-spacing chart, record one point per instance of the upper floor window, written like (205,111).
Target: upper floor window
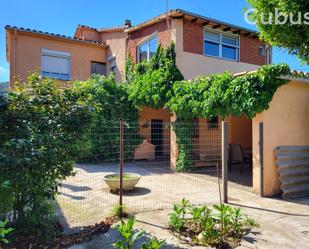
(221,45)
(262,51)
(147,49)
(98,68)
(55,64)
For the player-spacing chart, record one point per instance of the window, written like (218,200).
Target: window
(147,49)
(112,63)
(262,51)
(55,64)
(221,45)
(213,122)
(98,68)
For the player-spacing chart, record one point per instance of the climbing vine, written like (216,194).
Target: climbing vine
(159,84)
(226,94)
(151,82)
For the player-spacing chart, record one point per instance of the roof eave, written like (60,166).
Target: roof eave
(179,13)
(55,36)
(293,78)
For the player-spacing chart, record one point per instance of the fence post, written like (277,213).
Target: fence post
(261,126)
(121,164)
(224,161)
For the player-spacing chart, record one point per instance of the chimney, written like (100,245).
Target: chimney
(127,23)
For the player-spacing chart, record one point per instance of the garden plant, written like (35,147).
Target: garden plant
(129,236)
(218,226)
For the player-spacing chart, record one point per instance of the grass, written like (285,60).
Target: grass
(125,177)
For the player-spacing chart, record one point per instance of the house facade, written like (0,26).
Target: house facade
(203,46)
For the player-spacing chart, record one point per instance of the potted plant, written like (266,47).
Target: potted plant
(128,183)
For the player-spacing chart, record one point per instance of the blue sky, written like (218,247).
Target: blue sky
(62,17)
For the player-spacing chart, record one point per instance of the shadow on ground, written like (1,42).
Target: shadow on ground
(106,241)
(137,191)
(157,167)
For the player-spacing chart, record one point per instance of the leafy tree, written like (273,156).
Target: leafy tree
(290,35)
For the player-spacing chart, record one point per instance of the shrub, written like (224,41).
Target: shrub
(6,198)
(216,226)
(40,127)
(109,102)
(4,231)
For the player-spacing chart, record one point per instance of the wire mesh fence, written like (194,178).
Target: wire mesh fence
(167,161)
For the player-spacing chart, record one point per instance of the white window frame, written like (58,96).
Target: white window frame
(59,54)
(147,40)
(220,43)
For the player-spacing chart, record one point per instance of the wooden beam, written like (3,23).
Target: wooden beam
(216,26)
(178,17)
(227,29)
(246,33)
(236,32)
(206,23)
(194,19)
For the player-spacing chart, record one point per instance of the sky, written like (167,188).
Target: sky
(62,17)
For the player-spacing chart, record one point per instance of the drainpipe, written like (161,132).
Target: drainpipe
(261,173)
(14,52)
(268,54)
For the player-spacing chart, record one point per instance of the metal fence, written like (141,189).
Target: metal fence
(155,151)
(151,151)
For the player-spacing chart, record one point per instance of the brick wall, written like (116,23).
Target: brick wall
(193,42)
(193,37)
(136,37)
(249,50)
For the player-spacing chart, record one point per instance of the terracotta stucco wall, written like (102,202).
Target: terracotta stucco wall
(209,138)
(91,35)
(194,64)
(240,131)
(285,124)
(116,42)
(146,114)
(28,55)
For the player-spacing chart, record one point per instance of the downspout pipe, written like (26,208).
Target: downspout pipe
(261,171)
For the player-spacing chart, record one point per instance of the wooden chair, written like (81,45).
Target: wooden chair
(237,156)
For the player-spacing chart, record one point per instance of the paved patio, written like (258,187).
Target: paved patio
(283,224)
(85,199)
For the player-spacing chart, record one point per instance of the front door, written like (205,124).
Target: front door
(157,136)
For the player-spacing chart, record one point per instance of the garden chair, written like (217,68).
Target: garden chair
(237,156)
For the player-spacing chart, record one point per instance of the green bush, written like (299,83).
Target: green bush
(216,226)
(6,198)
(4,231)
(40,127)
(109,102)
